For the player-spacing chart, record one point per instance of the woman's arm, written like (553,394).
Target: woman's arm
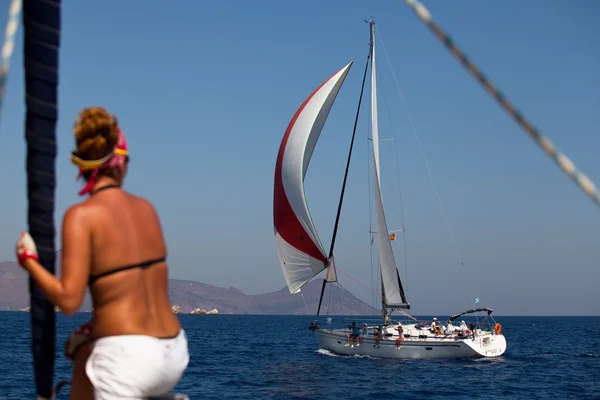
(67,292)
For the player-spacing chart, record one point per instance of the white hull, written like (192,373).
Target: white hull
(484,344)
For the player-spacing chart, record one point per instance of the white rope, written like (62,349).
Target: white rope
(545,144)
(305,305)
(12,27)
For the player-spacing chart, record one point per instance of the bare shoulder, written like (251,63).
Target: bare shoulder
(152,224)
(83,213)
(76,214)
(76,223)
(145,206)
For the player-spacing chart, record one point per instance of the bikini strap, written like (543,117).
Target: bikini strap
(112,186)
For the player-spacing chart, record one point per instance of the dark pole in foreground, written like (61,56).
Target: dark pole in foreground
(41,20)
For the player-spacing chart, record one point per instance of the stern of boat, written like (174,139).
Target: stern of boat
(488,345)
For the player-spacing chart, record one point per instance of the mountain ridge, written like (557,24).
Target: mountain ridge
(190,294)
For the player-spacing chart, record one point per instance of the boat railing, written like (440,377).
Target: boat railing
(421,331)
(345,322)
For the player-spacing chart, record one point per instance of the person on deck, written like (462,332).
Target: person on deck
(436,327)
(378,336)
(134,346)
(363,333)
(400,336)
(353,335)
(449,328)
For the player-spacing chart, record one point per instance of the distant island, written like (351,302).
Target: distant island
(196,311)
(197,298)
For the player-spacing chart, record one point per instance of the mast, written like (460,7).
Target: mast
(339,209)
(393,296)
(375,123)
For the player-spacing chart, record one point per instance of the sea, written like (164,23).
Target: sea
(277,357)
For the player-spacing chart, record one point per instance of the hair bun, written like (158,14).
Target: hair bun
(96,133)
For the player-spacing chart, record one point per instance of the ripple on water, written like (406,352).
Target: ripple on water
(276,357)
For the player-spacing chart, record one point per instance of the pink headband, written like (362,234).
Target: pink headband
(116,158)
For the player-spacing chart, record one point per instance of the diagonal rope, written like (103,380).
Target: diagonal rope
(563,162)
(359,282)
(9,44)
(306,305)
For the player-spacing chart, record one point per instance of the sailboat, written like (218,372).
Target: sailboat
(302,255)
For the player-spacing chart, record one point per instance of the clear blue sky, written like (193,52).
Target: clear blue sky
(204,91)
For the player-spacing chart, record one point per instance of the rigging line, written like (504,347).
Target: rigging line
(414,130)
(382,87)
(306,305)
(375,269)
(374,254)
(373,298)
(406,314)
(560,158)
(387,106)
(340,298)
(345,290)
(437,193)
(12,26)
(329,304)
(357,281)
(339,209)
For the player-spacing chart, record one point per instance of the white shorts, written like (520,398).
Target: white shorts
(136,366)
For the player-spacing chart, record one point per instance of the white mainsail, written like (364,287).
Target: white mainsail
(299,248)
(393,296)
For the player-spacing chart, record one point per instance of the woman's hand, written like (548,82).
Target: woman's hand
(26,250)
(68,291)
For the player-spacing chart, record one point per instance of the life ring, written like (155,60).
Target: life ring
(498,328)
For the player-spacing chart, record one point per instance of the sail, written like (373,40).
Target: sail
(393,293)
(331,274)
(300,251)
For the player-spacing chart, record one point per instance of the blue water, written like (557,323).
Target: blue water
(276,357)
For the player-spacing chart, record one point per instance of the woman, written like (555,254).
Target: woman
(400,336)
(134,347)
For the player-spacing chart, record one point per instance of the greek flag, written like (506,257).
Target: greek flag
(476,300)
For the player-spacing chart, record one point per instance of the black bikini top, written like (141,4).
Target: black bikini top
(143,264)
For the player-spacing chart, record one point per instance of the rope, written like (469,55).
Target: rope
(387,107)
(414,130)
(306,305)
(371,236)
(329,301)
(563,162)
(340,298)
(42,21)
(12,27)
(435,189)
(355,280)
